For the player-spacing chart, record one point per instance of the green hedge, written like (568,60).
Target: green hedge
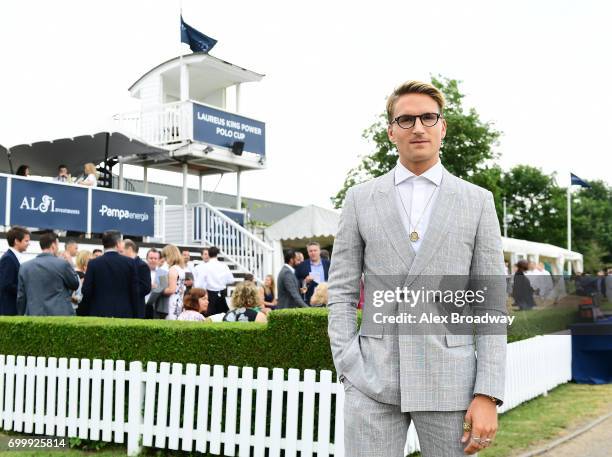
(291,339)
(540,322)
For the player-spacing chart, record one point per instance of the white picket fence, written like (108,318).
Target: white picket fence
(214,409)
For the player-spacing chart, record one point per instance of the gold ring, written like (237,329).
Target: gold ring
(467,427)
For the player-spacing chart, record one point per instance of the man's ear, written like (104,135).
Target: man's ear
(390,133)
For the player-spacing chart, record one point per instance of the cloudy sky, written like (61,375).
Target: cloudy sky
(540,71)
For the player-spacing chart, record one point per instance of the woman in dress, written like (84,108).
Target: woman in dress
(244,299)
(89,170)
(82,259)
(266,292)
(176,281)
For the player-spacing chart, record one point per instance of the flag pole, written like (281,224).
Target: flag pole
(183,71)
(569,223)
(505,220)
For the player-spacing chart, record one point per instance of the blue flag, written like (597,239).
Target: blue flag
(197,41)
(576,181)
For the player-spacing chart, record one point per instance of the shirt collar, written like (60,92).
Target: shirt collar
(434,174)
(290,268)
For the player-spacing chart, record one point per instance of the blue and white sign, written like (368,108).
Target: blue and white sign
(48,206)
(2,200)
(130,214)
(219,128)
(237,216)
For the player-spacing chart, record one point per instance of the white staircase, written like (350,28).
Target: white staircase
(242,250)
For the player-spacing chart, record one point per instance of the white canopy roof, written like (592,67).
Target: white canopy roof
(207,74)
(308,222)
(525,247)
(314,222)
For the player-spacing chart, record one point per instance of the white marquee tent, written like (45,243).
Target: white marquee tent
(320,224)
(295,230)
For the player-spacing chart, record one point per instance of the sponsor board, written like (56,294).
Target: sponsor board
(48,206)
(220,128)
(130,214)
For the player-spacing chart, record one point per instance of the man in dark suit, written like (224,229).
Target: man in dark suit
(18,239)
(110,288)
(288,285)
(143,274)
(46,283)
(312,271)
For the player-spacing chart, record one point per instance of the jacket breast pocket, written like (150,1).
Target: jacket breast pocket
(459,340)
(371,332)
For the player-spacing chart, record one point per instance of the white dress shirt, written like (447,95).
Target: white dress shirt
(415,192)
(17,254)
(153,281)
(213,275)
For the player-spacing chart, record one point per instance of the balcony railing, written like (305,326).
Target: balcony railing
(178,122)
(161,125)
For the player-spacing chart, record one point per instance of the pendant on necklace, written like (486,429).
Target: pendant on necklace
(414,236)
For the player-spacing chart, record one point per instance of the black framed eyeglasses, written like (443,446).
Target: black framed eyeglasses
(407,121)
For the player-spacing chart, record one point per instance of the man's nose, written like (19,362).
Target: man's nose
(418,126)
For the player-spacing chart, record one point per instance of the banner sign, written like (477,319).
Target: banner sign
(2,200)
(237,216)
(48,206)
(219,128)
(130,214)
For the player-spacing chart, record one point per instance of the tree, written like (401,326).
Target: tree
(592,222)
(536,205)
(537,211)
(467,149)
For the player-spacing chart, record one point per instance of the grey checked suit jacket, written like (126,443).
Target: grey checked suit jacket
(417,372)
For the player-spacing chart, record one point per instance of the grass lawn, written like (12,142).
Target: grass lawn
(532,424)
(111,451)
(546,418)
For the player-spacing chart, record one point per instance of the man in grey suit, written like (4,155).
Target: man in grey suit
(46,282)
(288,285)
(415,223)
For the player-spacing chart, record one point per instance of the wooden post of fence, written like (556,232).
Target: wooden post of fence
(134,408)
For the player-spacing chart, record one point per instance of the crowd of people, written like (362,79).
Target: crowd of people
(530,284)
(116,282)
(87,178)
(303,283)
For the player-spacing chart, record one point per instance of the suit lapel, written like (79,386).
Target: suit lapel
(438,227)
(385,200)
(13,257)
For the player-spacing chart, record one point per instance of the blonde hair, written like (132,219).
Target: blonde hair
(319,297)
(82,258)
(272,288)
(172,255)
(245,295)
(89,168)
(413,87)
